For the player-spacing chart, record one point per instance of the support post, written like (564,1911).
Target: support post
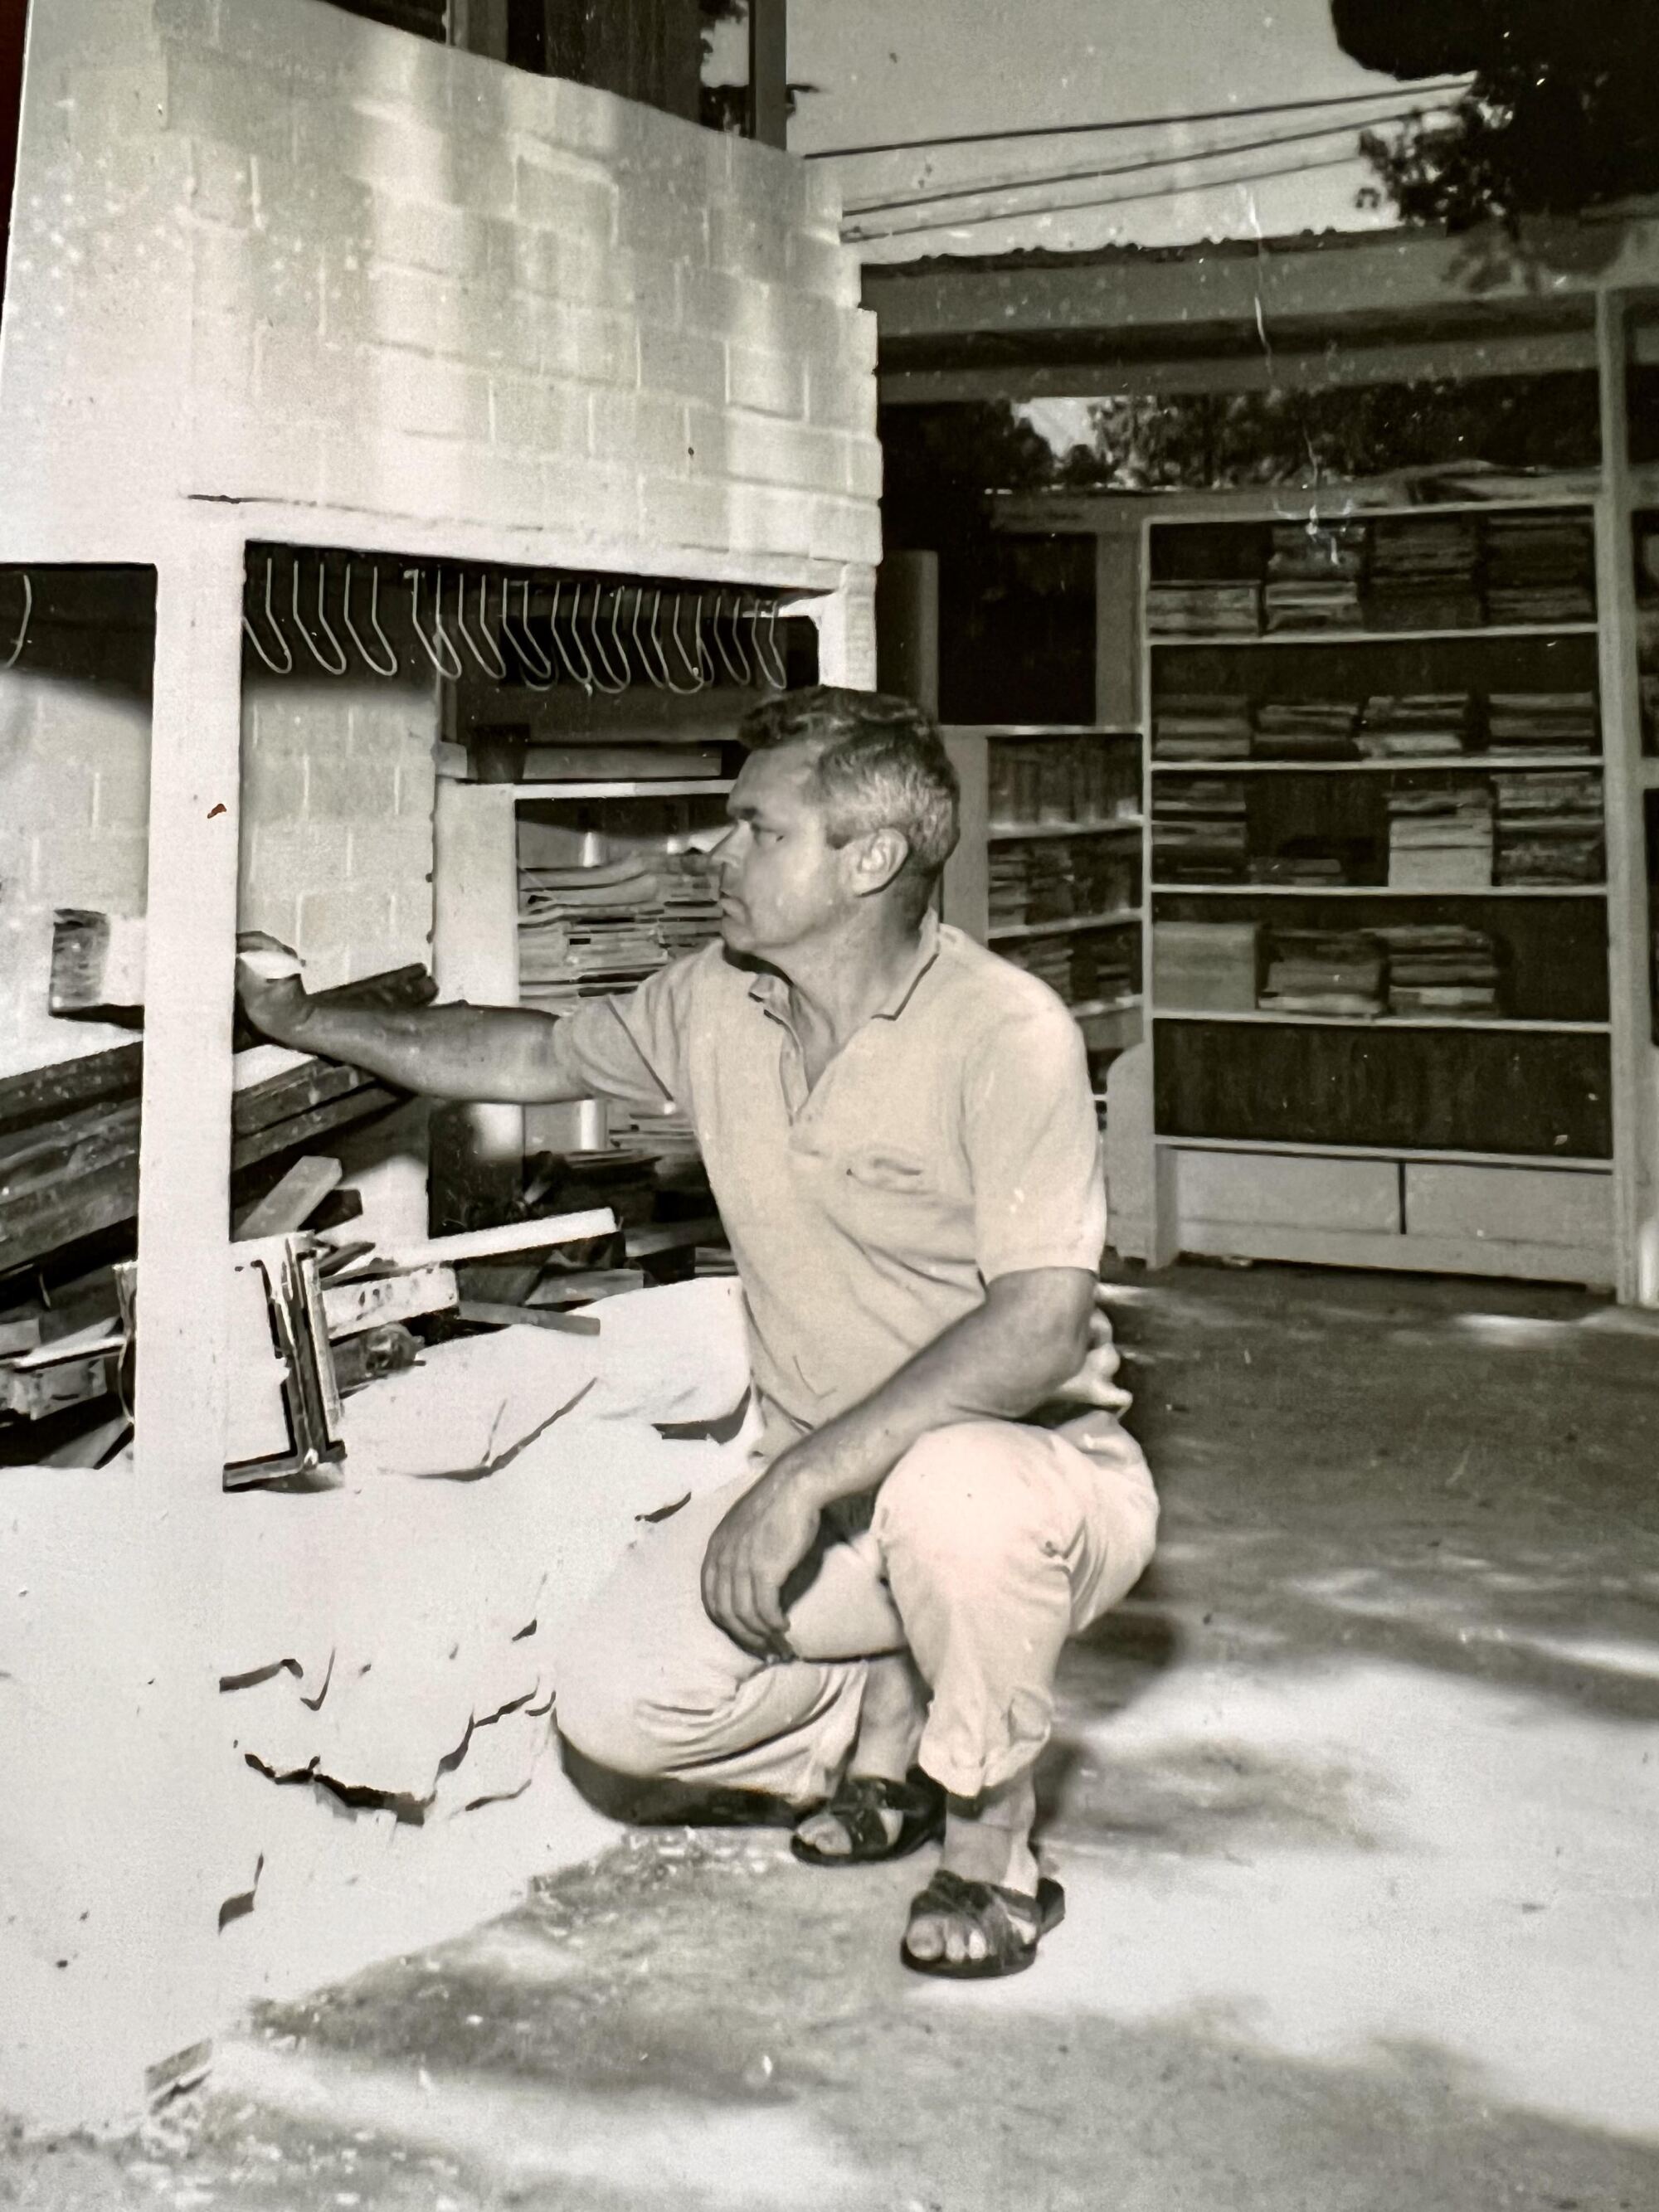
(1635,1105)
(907,627)
(768,71)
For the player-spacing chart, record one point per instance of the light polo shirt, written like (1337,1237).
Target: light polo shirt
(950,1140)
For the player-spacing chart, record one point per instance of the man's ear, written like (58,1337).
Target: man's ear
(877,860)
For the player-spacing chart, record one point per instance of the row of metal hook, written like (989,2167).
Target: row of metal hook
(12,659)
(599,648)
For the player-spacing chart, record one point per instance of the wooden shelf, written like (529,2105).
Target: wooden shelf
(1383,1021)
(1320,1152)
(1093,1009)
(1008,833)
(1374,891)
(1455,763)
(1119,919)
(1371,636)
(708,787)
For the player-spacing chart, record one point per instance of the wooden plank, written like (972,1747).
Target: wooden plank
(285,1096)
(348,1308)
(49,1219)
(292,1202)
(75,1145)
(670,1236)
(1592,1266)
(491,1315)
(305,1128)
(509,1237)
(72,1083)
(586,1285)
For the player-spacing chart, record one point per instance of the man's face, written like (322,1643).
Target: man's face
(780,880)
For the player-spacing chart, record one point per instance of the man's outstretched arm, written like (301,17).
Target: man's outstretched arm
(502,1054)
(1030,1337)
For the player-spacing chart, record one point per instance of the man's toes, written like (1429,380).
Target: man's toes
(925,1939)
(823,1832)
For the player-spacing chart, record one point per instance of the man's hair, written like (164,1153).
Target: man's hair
(879,763)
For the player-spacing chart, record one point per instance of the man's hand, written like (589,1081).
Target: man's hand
(268,983)
(751,1556)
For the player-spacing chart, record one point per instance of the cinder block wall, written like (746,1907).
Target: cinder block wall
(337,787)
(74,814)
(275,251)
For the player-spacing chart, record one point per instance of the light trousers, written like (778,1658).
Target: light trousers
(991,1543)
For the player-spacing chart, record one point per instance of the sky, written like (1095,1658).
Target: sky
(907,68)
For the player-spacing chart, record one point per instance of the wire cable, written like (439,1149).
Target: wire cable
(1138,122)
(1137,166)
(1255,176)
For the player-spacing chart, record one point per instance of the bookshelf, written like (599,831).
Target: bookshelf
(1050,869)
(1382,1012)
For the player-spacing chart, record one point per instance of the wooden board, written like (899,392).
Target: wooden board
(293,1200)
(72,1083)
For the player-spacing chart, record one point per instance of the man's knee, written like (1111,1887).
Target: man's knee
(960,1493)
(602,1715)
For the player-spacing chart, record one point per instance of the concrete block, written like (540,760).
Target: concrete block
(846,530)
(192,22)
(569,199)
(769,383)
(533,415)
(483,175)
(840,397)
(684,514)
(390,857)
(343,928)
(210,96)
(221,183)
(745,245)
(290,859)
(552,264)
(221,360)
(238,274)
(587,344)
(684,363)
(126,102)
(824,197)
(761,449)
(416,788)
(589,122)
(231,455)
(765,521)
(736,308)
(641,431)
(425,233)
(324,42)
(863,467)
(425,394)
(396,475)
(341,138)
(411,307)
(664,222)
(299,377)
(273,789)
(342,788)
(824,268)
(316,201)
(595,499)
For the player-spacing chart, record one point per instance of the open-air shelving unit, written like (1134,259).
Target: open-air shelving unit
(1046,811)
(1491,1140)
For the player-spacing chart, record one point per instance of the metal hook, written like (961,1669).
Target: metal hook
(705,668)
(680,691)
(338,665)
(524,646)
(442,664)
(660,681)
(694,666)
(609,683)
(285,667)
(370,661)
(770,672)
(16,653)
(780,678)
(497,669)
(584,676)
(739,669)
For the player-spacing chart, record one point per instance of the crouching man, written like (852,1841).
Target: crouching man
(900,1135)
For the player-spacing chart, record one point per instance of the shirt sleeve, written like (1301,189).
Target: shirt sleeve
(632,1047)
(1034,1148)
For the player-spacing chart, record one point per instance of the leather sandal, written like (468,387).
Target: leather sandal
(1001,1916)
(859,1804)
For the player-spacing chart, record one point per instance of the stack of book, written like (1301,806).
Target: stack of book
(1205,967)
(1416,726)
(1047,958)
(1549,827)
(1324,971)
(1540,568)
(1437,968)
(1051,892)
(1200,834)
(1105,872)
(1313,576)
(1200,725)
(1422,572)
(1103,966)
(1200,607)
(1305,860)
(1554,721)
(1440,835)
(1058,780)
(1009,886)
(586,932)
(1305,729)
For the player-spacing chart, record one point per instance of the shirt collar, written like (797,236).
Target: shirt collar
(772,990)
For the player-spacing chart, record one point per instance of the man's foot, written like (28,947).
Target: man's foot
(994,1931)
(890,1721)
(988,1846)
(870,1819)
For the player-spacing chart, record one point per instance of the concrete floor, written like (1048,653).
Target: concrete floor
(1354,1802)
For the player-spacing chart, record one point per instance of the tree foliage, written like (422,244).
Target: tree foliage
(1562,115)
